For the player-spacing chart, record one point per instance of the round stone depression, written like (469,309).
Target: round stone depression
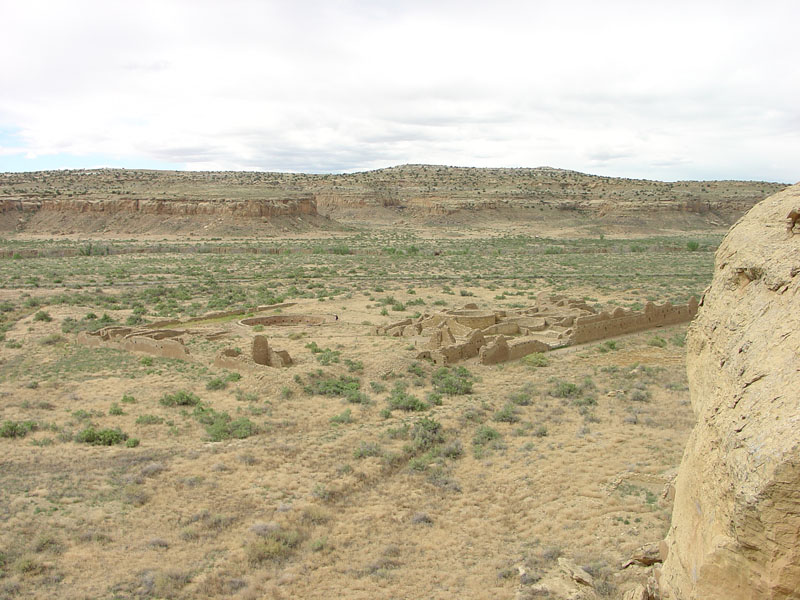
(286,320)
(476,319)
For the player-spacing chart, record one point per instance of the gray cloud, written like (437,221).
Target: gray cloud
(670,91)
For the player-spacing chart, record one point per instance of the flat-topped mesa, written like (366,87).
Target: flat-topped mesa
(290,205)
(552,322)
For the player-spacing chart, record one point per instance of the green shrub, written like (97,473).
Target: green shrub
(564,389)
(416,369)
(101,437)
(127,399)
(180,398)
(507,414)
(275,545)
(217,384)
(657,341)
(484,434)
(115,409)
(149,420)
(42,316)
(453,382)
(434,398)
(17,429)
(536,359)
(354,366)
(132,443)
(692,245)
(426,433)
(366,449)
(340,386)
(343,418)
(679,339)
(401,400)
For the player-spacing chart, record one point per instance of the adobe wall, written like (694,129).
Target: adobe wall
(165,348)
(605,325)
(273,320)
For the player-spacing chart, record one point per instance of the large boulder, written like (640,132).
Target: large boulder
(735,530)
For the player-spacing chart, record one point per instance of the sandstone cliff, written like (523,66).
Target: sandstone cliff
(426,193)
(735,530)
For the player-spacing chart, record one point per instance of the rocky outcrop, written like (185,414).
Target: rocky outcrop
(298,205)
(735,530)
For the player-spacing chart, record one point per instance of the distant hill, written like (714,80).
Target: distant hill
(139,200)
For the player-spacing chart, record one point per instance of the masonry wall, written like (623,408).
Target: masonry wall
(605,325)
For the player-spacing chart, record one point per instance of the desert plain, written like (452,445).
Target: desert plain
(360,469)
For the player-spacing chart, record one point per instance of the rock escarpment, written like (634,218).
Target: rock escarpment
(735,530)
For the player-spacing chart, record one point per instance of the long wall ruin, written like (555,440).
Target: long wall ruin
(553,322)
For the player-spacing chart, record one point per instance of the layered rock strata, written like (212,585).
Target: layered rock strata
(735,530)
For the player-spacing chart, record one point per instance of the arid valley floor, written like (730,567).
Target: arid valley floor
(359,471)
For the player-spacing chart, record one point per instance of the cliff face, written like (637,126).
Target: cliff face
(422,192)
(300,205)
(735,530)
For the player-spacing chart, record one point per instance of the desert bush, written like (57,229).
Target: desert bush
(149,420)
(453,382)
(42,316)
(507,414)
(484,434)
(536,359)
(101,437)
(17,429)
(425,434)
(402,400)
(180,398)
(366,449)
(343,418)
(218,383)
(275,545)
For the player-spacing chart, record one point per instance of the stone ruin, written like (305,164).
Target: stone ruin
(166,343)
(169,343)
(552,322)
(261,354)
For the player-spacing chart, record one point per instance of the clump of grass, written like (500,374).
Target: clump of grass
(343,418)
(453,382)
(276,544)
(507,414)
(220,426)
(657,341)
(180,398)
(426,434)
(42,316)
(536,359)
(366,449)
(402,400)
(149,420)
(17,429)
(101,437)
(218,383)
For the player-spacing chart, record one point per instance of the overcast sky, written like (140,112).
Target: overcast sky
(662,90)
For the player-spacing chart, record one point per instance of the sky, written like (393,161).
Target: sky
(652,89)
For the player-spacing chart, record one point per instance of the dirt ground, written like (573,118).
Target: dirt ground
(564,458)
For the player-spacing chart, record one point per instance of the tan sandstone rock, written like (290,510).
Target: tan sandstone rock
(735,530)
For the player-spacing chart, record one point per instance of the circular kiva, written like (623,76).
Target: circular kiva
(285,320)
(476,319)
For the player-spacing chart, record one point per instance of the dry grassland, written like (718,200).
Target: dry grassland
(358,472)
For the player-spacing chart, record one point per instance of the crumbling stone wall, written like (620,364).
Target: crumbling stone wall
(605,325)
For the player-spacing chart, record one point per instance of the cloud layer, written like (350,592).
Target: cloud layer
(664,90)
